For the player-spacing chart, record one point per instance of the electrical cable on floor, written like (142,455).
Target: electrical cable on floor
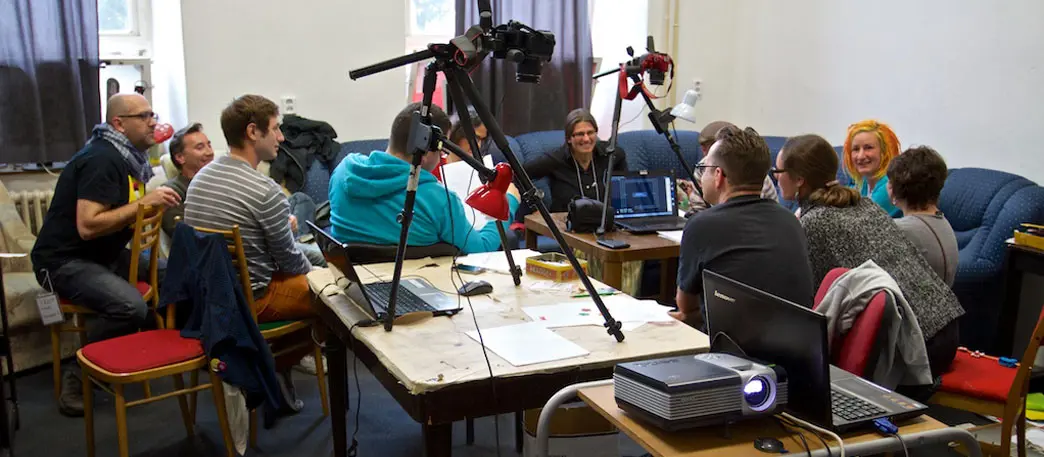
(354,447)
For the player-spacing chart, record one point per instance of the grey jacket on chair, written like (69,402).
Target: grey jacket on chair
(902,358)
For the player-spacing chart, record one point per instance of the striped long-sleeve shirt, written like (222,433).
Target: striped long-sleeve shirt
(228,192)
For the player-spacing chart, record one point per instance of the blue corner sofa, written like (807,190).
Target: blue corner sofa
(983,206)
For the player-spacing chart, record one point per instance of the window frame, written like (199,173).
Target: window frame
(134,43)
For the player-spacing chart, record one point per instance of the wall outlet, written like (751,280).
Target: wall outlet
(289,104)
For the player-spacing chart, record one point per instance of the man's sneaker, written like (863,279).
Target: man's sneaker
(307,365)
(70,403)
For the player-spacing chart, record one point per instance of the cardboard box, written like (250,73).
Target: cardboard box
(554,266)
(576,431)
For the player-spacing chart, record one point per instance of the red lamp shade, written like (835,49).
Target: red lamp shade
(491,198)
(162,133)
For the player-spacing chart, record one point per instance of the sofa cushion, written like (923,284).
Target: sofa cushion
(648,150)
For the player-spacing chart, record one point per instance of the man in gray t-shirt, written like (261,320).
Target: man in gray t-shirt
(915,180)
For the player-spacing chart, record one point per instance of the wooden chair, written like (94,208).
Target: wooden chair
(271,330)
(148,355)
(146,229)
(981,385)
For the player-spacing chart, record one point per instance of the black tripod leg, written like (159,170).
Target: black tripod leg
(457,96)
(530,195)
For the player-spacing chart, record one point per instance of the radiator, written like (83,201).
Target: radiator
(32,205)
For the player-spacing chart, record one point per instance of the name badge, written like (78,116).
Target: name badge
(50,311)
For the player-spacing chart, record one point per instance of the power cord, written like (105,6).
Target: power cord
(818,432)
(886,427)
(471,308)
(804,442)
(355,374)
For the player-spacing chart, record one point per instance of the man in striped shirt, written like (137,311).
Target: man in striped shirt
(230,191)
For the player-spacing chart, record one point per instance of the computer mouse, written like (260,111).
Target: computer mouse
(478,287)
(769,445)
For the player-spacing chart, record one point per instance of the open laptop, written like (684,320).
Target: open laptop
(645,201)
(795,337)
(415,294)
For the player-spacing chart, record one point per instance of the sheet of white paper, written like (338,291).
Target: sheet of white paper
(497,261)
(569,314)
(673,235)
(529,343)
(461,179)
(583,312)
(547,285)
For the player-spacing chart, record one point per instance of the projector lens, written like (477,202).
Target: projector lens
(756,392)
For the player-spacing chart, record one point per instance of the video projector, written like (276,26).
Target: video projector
(683,392)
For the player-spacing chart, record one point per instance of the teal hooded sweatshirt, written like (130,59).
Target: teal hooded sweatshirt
(367,194)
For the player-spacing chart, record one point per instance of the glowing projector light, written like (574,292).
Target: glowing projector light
(693,391)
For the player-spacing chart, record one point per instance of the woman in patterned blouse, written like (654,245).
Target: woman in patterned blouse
(846,230)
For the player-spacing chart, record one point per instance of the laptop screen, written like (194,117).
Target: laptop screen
(783,333)
(643,196)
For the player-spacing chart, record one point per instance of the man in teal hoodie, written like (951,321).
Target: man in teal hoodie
(367,194)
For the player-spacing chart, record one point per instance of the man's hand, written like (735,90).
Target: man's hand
(293,223)
(512,190)
(162,196)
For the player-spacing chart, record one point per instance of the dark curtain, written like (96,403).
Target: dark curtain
(49,96)
(565,83)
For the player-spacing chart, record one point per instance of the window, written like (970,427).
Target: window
(124,28)
(429,21)
(117,17)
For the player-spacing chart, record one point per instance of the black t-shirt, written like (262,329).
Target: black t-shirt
(751,240)
(562,172)
(97,173)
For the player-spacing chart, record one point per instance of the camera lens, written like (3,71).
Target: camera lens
(528,71)
(756,392)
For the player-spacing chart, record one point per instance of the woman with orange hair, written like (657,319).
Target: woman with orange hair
(869,147)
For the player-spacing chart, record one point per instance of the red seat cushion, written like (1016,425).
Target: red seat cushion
(142,351)
(142,286)
(981,378)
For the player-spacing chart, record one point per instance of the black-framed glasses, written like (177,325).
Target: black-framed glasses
(145,116)
(776,171)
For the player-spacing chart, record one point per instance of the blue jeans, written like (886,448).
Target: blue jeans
(104,289)
(303,208)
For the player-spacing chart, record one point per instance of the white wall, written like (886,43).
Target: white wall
(303,48)
(963,76)
(615,25)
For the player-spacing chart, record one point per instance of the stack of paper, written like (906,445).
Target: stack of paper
(497,261)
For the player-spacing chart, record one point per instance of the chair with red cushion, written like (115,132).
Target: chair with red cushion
(856,349)
(141,357)
(980,384)
(146,230)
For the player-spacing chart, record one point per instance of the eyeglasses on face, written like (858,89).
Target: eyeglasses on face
(579,135)
(776,171)
(145,116)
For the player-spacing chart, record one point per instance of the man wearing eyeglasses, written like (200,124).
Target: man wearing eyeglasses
(81,254)
(768,189)
(741,236)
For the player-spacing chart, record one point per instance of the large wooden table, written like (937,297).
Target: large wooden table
(438,374)
(643,247)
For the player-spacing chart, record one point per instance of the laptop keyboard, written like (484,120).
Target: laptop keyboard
(406,302)
(656,223)
(852,408)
